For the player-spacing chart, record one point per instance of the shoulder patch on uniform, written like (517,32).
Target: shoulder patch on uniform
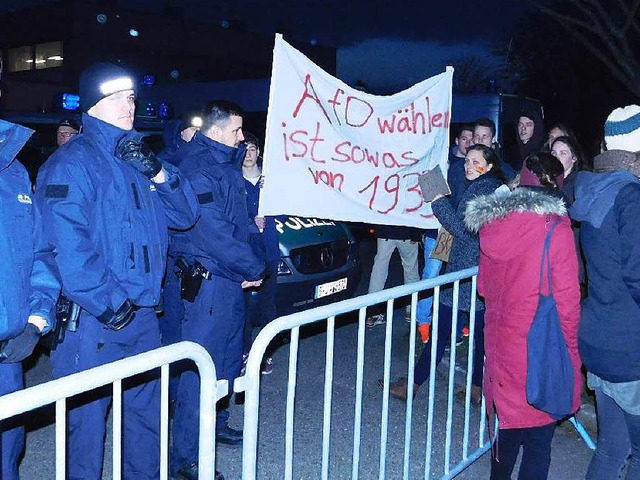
(56,191)
(24,198)
(204,198)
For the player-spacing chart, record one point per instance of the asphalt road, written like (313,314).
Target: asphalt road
(570,457)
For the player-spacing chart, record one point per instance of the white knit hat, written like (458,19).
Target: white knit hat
(622,129)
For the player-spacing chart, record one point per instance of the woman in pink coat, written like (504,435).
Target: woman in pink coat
(513,226)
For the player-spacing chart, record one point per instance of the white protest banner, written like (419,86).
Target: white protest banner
(337,153)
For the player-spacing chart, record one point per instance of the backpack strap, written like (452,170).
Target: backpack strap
(546,257)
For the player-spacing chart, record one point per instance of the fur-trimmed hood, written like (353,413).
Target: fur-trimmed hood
(484,209)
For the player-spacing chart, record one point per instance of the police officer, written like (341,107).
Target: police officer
(218,254)
(28,287)
(176,135)
(67,129)
(107,202)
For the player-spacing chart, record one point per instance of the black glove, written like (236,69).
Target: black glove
(18,348)
(137,154)
(121,318)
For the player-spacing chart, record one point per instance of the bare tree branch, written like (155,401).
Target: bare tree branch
(603,35)
(561,16)
(631,16)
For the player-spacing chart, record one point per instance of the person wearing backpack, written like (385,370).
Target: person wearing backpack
(513,226)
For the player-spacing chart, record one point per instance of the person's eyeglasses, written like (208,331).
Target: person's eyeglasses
(67,134)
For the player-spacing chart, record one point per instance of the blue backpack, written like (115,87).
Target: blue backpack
(549,368)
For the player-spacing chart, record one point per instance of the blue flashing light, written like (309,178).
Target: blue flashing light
(70,101)
(149,80)
(133,32)
(151,110)
(174,74)
(164,110)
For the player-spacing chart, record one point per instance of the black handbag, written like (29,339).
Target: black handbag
(549,368)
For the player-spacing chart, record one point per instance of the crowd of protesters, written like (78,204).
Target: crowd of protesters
(156,249)
(504,206)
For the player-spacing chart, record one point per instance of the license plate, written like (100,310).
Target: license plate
(330,288)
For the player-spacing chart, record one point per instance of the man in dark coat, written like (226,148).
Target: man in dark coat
(107,202)
(218,248)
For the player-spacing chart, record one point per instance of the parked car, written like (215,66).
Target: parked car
(319,263)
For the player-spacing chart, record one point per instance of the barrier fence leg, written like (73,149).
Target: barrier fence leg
(583,433)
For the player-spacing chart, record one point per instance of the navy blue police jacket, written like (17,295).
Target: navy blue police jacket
(28,285)
(220,238)
(266,242)
(108,222)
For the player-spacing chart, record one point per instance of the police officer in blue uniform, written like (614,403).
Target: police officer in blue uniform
(28,286)
(107,202)
(219,264)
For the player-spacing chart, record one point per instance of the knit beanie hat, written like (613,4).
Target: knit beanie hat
(101,80)
(622,129)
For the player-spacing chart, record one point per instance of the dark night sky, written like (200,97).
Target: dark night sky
(389,45)
(340,22)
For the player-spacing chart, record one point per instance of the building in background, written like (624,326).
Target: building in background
(45,48)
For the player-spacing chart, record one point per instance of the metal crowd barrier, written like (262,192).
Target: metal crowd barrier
(467,451)
(250,383)
(59,390)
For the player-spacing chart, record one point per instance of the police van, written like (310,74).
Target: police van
(319,260)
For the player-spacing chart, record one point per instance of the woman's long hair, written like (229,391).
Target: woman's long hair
(547,168)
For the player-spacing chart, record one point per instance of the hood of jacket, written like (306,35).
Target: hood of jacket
(106,135)
(172,140)
(12,139)
(510,214)
(487,208)
(221,154)
(596,193)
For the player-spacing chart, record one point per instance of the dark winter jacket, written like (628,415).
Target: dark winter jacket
(108,222)
(266,241)
(569,188)
(513,226)
(455,178)
(395,232)
(607,207)
(29,286)
(220,238)
(465,248)
(172,142)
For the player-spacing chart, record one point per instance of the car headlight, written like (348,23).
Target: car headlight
(283,268)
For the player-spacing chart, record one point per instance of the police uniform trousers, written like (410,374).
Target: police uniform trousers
(12,440)
(93,345)
(215,320)
(171,321)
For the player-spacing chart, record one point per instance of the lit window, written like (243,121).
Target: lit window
(48,55)
(20,59)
